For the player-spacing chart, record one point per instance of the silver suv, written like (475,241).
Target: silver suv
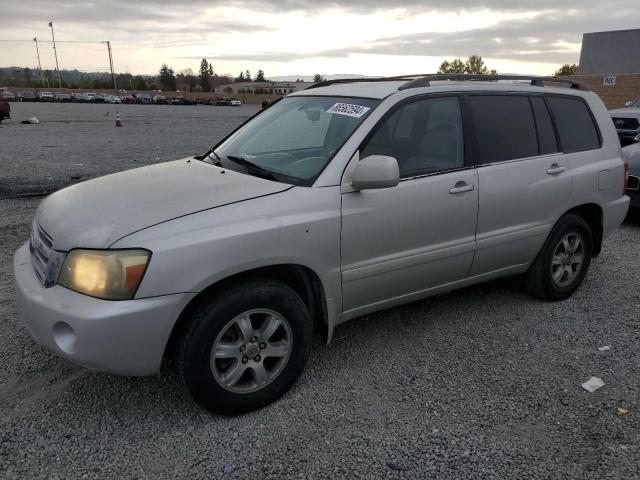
(334,202)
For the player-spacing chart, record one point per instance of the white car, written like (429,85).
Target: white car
(112,99)
(331,203)
(235,103)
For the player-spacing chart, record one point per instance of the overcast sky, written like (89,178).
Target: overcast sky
(302,37)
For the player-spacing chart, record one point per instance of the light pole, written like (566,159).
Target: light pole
(113,75)
(55,52)
(35,39)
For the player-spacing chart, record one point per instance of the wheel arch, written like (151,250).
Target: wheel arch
(592,214)
(302,279)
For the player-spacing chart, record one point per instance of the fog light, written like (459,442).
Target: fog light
(65,337)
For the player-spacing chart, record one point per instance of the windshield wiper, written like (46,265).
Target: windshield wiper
(253,168)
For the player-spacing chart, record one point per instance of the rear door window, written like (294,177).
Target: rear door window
(575,124)
(504,127)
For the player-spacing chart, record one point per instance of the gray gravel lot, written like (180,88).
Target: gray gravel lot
(75,142)
(480,383)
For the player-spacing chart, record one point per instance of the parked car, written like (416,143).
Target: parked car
(5,109)
(332,203)
(45,96)
(112,99)
(8,96)
(78,97)
(27,96)
(234,102)
(627,121)
(221,102)
(631,155)
(128,99)
(160,100)
(62,97)
(143,98)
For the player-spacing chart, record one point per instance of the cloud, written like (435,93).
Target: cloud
(550,36)
(551,32)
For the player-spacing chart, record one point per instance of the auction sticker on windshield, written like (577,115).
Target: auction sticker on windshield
(348,109)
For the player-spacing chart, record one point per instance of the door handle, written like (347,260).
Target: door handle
(462,187)
(555,169)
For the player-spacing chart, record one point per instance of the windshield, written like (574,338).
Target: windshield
(293,140)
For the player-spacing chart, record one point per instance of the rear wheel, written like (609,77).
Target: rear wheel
(245,347)
(563,262)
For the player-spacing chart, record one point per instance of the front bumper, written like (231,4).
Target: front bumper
(125,337)
(634,191)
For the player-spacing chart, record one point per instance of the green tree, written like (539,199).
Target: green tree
(566,69)
(240,78)
(259,76)
(247,76)
(27,75)
(139,83)
(474,65)
(204,74)
(167,78)
(317,78)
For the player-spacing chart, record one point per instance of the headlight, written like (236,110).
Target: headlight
(107,274)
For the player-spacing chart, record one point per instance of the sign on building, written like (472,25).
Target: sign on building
(609,81)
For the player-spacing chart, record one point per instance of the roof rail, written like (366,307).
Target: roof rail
(425,80)
(326,83)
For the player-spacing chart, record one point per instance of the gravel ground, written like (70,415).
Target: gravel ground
(77,142)
(480,383)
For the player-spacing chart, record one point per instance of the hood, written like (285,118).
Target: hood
(97,213)
(625,112)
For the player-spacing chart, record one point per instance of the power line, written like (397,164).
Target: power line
(57,41)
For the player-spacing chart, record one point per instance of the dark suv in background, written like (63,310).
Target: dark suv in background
(5,109)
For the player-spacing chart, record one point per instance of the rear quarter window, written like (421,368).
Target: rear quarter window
(576,128)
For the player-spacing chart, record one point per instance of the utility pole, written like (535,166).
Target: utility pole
(35,39)
(56,54)
(113,75)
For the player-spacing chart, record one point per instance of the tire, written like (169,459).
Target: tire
(555,257)
(220,320)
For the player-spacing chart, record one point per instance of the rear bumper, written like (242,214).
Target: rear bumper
(124,337)
(614,213)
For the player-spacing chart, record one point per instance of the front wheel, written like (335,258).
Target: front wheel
(563,262)
(245,347)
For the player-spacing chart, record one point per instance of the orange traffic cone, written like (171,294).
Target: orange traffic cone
(118,122)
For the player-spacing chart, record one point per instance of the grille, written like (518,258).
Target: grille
(41,248)
(633,183)
(626,123)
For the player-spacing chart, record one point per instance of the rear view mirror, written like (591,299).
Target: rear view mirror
(376,171)
(313,115)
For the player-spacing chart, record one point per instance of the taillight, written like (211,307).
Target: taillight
(626,177)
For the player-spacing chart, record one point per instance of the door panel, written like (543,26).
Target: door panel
(519,203)
(409,238)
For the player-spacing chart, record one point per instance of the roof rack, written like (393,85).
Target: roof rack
(326,83)
(424,80)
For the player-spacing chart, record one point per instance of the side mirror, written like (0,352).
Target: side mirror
(376,171)
(636,138)
(627,104)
